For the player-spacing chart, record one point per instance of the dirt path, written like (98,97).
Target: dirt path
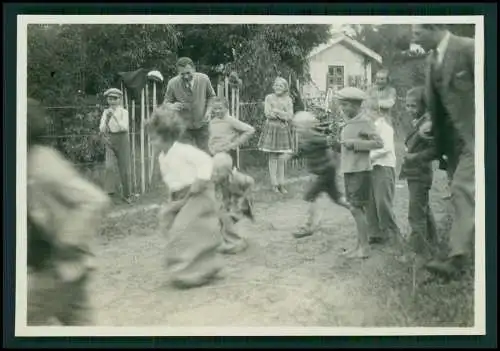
(278,281)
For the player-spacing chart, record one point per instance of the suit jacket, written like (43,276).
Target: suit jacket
(457,97)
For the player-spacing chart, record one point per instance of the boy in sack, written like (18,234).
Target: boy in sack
(226,132)
(355,161)
(189,218)
(233,190)
(64,213)
(417,170)
(315,148)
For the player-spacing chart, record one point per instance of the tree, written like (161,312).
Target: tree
(257,52)
(69,63)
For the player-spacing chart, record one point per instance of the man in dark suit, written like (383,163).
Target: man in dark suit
(451,104)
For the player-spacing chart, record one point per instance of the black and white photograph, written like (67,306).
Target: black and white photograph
(250,175)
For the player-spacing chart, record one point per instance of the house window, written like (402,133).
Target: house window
(335,77)
(356,81)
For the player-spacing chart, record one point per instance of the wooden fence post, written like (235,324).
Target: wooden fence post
(143,168)
(134,175)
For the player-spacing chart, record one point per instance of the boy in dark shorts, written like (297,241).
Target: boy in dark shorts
(417,170)
(355,161)
(315,148)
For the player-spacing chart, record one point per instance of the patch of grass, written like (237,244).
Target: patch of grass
(426,301)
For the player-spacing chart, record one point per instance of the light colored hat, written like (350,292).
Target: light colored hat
(351,93)
(156,76)
(113,92)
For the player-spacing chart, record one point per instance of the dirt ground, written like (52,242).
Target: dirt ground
(278,281)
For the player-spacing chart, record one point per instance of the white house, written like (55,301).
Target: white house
(339,63)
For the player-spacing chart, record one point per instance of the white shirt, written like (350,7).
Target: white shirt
(117,123)
(441,48)
(183,164)
(385,156)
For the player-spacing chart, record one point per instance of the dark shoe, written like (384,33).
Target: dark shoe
(448,269)
(377,240)
(276,189)
(195,281)
(128,199)
(282,189)
(302,233)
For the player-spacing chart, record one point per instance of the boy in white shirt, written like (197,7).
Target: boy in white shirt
(114,128)
(189,219)
(379,213)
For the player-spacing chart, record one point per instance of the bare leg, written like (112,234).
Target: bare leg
(273,169)
(281,172)
(362,248)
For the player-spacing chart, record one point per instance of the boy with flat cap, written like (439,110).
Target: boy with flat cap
(358,138)
(115,126)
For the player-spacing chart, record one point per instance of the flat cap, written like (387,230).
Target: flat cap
(113,92)
(351,93)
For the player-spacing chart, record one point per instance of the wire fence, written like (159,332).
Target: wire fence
(74,131)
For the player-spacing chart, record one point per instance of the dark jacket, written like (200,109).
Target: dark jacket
(422,151)
(452,107)
(316,149)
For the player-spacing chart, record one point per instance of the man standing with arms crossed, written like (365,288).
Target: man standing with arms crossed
(190,93)
(451,102)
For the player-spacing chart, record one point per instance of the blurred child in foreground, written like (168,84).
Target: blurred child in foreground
(64,214)
(233,190)
(315,148)
(189,218)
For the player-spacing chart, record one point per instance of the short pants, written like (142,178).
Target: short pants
(357,188)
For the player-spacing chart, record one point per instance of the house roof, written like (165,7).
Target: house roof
(341,38)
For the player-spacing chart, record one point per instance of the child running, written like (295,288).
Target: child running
(355,161)
(189,219)
(64,214)
(233,191)
(314,147)
(226,132)
(417,170)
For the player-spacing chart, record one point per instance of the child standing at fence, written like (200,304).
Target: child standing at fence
(276,137)
(417,170)
(64,213)
(226,132)
(189,219)
(233,192)
(318,153)
(114,127)
(355,161)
